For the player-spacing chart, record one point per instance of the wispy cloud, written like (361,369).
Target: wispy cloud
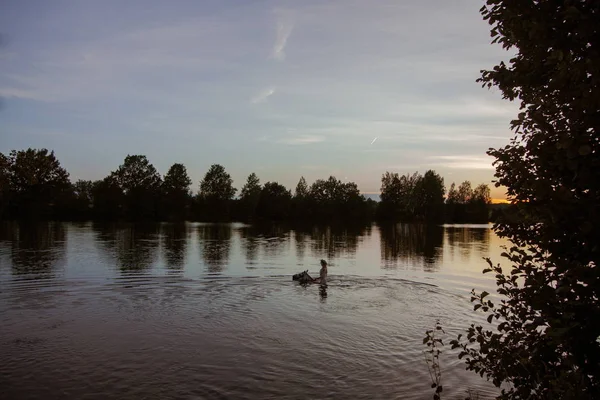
(24,94)
(303,139)
(285,25)
(462,162)
(263,95)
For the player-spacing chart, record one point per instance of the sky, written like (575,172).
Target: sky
(280,88)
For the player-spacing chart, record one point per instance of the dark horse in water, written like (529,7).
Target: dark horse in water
(303,277)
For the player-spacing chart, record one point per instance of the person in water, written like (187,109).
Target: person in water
(322,279)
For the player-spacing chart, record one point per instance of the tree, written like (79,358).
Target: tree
(479,204)
(107,199)
(430,192)
(37,181)
(465,192)
(332,198)
(216,193)
(140,183)
(274,203)
(4,183)
(545,344)
(465,205)
(176,193)
(452,194)
(82,199)
(301,189)
(399,199)
(250,196)
(217,184)
(301,201)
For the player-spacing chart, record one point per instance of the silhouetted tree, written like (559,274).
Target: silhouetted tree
(274,203)
(249,197)
(4,184)
(467,205)
(465,192)
(82,199)
(429,193)
(176,196)
(107,198)
(216,193)
(333,199)
(479,204)
(544,340)
(399,199)
(300,201)
(37,181)
(140,183)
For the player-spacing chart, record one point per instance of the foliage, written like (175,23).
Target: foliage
(82,199)
(275,201)
(432,358)
(430,192)
(301,201)
(249,197)
(176,193)
(140,183)
(301,189)
(216,193)
(37,181)
(4,183)
(398,195)
(466,204)
(176,181)
(333,199)
(544,340)
(107,199)
(413,197)
(217,184)
(136,191)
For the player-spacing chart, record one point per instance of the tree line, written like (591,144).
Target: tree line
(34,185)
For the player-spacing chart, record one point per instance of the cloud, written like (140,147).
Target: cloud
(24,94)
(263,95)
(463,162)
(285,25)
(303,139)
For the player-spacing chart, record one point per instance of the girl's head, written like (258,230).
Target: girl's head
(323,263)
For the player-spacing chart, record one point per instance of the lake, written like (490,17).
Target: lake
(209,311)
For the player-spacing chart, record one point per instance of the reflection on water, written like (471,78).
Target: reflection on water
(134,247)
(331,242)
(212,307)
(36,250)
(411,243)
(467,241)
(215,240)
(175,240)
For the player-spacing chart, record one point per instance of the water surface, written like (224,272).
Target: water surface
(209,311)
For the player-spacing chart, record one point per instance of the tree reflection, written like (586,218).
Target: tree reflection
(216,245)
(250,245)
(175,242)
(133,247)
(273,239)
(468,241)
(300,239)
(35,248)
(333,241)
(412,244)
